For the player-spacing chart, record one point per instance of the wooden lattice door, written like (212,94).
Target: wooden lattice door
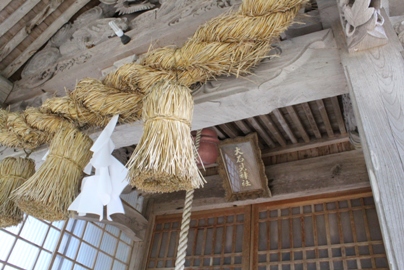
(217,239)
(323,232)
(332,233)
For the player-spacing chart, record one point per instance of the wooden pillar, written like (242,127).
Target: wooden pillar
(376,81)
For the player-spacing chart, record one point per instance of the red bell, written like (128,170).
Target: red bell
(208,150)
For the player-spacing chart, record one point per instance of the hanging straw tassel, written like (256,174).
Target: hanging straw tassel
(13,172)
(49,192)
(163,161)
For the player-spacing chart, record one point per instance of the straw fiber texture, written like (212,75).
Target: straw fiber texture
(13,172)
(163,161)
(51,190)
(229,44)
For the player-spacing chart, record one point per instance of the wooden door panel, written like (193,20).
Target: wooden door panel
(216,240)
(333,233)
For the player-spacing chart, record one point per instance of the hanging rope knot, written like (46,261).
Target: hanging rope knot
(78,167)
(168,118)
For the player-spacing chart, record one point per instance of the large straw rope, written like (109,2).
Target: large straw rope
(228,44)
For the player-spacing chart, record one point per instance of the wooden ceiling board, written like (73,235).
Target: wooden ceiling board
(304,123)
(17,44)
(9,9)
(4,4)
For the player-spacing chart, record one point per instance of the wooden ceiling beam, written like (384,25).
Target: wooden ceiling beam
(305,146)
(295,179)
(312,120)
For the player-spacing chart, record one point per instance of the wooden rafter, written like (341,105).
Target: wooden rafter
(43,38)
(284,125)
(219,133)
(311,119)
(266,120)
(324,116)
(260,130)
(229,130)
(24,32)
(4,3)
(17,15)
(242,126)
(295,118)
(338,115)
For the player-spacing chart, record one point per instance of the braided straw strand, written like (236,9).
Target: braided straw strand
(226,45)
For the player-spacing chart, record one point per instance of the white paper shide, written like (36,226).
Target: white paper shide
(109,180)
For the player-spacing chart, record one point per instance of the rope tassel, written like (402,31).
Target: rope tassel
(164,159)
(49,192)
(13,173)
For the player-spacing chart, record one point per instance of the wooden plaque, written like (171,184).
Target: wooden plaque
(241,168)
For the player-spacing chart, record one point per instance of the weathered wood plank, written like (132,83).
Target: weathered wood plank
(376,81)
(312,120)
(219,133)
(266,120)
(44,37)
(23,33)
(17,15)
(169,28)
(298,123)
(338,115)
(242,126)
(284,125)
(324,116)
(5,88)
(230,132)
(322,175)
(4,3)
(262,134)
(305,146)
(246,130)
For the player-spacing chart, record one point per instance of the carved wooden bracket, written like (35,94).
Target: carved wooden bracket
(362,23)
(132,223)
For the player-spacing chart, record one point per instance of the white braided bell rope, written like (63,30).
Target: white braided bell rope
(186,216)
